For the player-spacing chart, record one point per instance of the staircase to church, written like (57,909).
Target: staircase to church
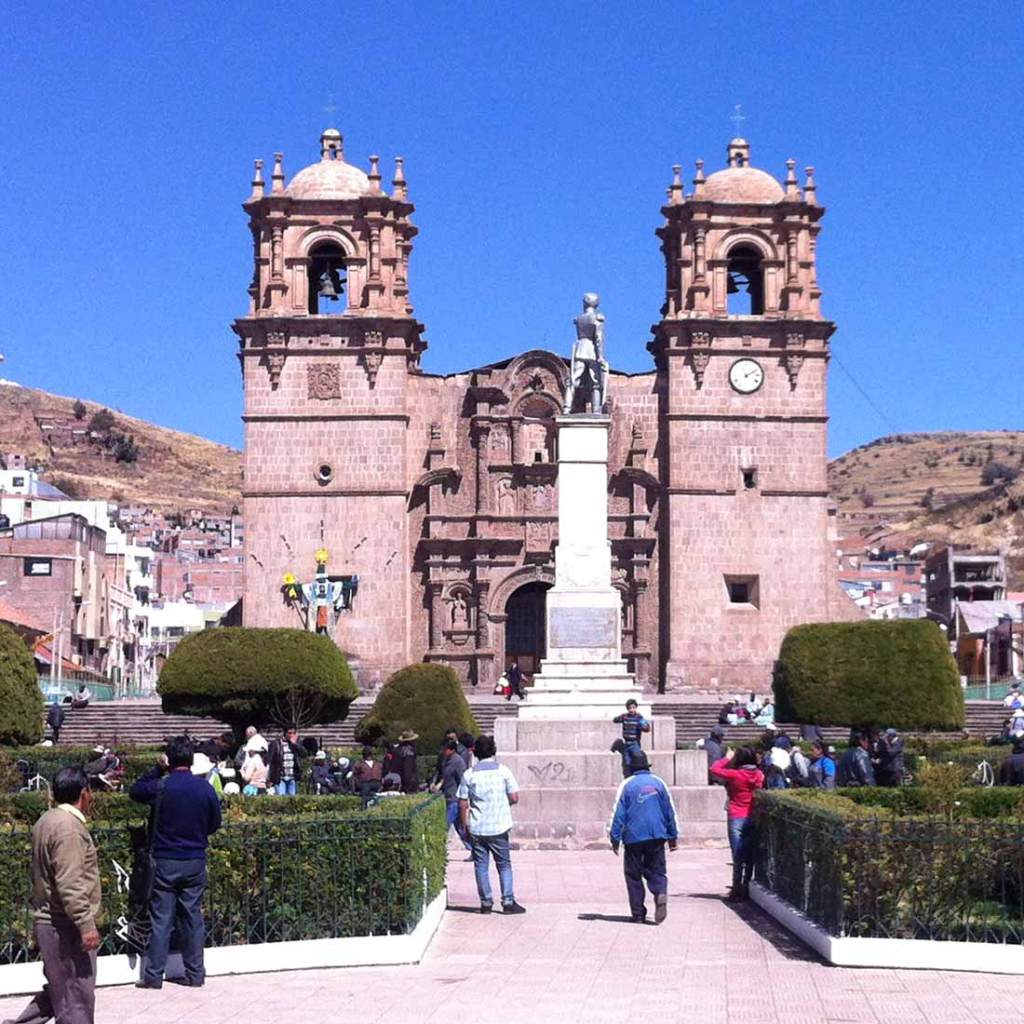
(136,721)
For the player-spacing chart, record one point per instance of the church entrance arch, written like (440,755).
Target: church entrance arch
(526,626)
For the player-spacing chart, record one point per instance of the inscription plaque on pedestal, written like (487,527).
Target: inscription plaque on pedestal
(582,627)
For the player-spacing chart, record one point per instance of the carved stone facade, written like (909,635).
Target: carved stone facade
(440,491)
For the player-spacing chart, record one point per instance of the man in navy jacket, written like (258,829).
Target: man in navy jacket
(643,820)
(188,813)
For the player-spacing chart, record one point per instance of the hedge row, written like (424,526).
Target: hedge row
(275,875)
(858,864)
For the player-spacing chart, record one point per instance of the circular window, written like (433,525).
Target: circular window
(324,474)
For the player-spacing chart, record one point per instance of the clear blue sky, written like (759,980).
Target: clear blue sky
(538,140)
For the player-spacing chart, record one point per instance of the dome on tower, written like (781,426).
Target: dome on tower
(741,183)
(331,177)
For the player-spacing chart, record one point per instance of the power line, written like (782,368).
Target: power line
(867,398)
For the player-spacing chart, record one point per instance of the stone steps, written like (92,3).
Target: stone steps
(131,723)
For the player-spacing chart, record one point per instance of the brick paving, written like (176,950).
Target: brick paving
(575,957)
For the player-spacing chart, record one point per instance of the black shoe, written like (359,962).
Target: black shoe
(188,982)
(485,908)
(640,919)
(142,983)
(660,907)
(512,908)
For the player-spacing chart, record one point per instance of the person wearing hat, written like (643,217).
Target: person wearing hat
(1017,724)
(889,750)
(714,747)
(404,761)
(644,819)
(255,768)
(205,768)
(323,778)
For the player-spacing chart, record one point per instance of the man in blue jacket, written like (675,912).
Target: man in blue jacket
(186,812)
(644,819)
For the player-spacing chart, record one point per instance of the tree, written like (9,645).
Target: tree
(993,471)
(259,677)
(867,499)
(896,673)
(928,499)
(21,702)
(425,698)
(125,449)
(102,422)
(79,409)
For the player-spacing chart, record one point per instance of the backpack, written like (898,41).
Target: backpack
(797,773)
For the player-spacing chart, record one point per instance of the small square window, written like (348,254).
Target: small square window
(742,591)
(749,478)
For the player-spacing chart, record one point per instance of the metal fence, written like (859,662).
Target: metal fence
(887,877)
(286,878)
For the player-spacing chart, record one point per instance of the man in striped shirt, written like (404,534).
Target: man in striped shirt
(486,795)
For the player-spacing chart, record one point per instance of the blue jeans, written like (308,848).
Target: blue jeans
(628,750)
(286,787)
(741,842)
(483,848)
(452,807)
(178,887)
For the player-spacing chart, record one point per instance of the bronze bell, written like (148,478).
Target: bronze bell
(330,284)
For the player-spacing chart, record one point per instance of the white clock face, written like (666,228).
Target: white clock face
(746,375)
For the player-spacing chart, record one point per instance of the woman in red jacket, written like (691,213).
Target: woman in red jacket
(741,777)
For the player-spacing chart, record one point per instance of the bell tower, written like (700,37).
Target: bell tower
(742,356)
(326,350)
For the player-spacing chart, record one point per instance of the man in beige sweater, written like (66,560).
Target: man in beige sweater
(65,904)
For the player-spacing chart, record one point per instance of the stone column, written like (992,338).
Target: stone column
(434,588)
(481,433)
(584,675)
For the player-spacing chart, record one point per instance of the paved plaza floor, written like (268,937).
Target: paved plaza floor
(575,957)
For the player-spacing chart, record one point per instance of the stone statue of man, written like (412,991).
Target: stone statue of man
(588,355)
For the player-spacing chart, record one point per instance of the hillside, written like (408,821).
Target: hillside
(126,460)
(955,486)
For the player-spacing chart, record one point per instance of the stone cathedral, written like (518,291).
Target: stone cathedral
(439,491)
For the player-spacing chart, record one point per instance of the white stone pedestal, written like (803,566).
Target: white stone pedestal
(584,675)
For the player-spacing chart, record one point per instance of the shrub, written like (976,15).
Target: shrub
(102,421)
(21,702)
(257,677)
(79,409)
(425,698)
(869,673)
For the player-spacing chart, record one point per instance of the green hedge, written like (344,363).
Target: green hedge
(21,702)
(859,864)
(274,876)
(868,673)
(425,698)
(258,677)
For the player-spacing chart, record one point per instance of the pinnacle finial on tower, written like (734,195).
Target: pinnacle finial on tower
(277,178)
(374,174)
(698,180)
(792,189)
(401,190)
(257,180)
(675,192)
(810,189)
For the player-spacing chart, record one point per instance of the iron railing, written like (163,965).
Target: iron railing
(272,880)
(887,877)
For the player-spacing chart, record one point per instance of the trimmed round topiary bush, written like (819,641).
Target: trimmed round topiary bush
(21,701)
(425,698)
(258,677)
(869,673)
